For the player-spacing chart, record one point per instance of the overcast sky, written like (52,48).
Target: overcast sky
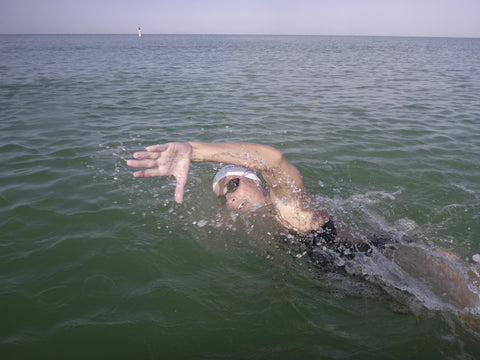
(451,18)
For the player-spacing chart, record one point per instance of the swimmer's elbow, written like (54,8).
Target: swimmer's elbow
(279,167)
(274,157)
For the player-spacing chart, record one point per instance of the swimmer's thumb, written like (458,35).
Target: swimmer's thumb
(179,190)
(178,196)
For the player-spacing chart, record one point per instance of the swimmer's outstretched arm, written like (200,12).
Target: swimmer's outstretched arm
(275,169)
(287,191)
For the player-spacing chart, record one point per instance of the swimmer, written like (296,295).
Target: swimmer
(296,210)
(287,198)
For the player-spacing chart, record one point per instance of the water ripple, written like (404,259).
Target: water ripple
(383,130)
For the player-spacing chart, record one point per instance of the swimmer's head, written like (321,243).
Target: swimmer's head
(233,170)
(242,188)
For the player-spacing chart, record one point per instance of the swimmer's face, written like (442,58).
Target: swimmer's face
(241,194)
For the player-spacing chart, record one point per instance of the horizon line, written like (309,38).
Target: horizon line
(252,34)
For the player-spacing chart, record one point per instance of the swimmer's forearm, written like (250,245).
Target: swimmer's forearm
(252,156)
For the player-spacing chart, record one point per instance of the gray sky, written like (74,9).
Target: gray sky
(450,18)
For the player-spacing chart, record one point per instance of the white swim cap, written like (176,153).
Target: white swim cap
(232,170)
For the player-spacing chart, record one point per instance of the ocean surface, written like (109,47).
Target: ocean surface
(97,264)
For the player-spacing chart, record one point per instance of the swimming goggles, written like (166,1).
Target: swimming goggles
(234,183)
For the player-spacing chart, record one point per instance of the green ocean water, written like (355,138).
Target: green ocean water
(95,263)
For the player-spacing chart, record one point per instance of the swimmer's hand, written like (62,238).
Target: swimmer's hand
(165,160)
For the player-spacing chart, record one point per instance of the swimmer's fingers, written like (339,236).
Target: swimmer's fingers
(155,171)
(158,148)
(147,155)
(153,152)
(142,163)
(166,152)
(147,173)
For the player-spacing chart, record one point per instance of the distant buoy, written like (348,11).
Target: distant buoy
(139,33)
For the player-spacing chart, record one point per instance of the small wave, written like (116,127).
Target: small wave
(373,197)
(464,188)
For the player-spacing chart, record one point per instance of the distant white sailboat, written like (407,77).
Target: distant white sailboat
(139,33)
